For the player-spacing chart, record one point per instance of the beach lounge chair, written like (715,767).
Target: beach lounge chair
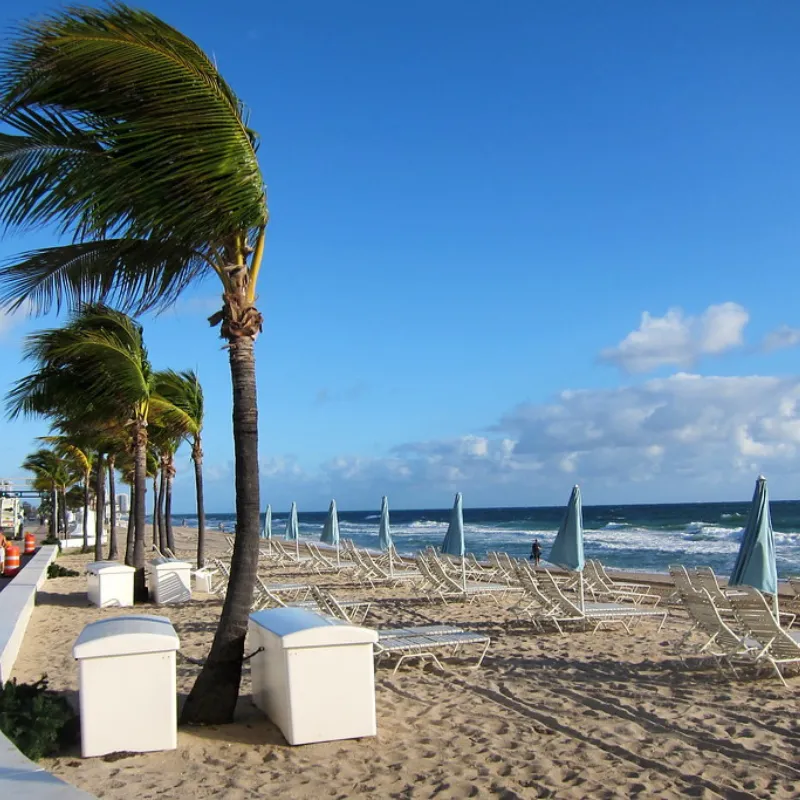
(470,591)
(599,584)
(637,592)
(596,614)
(353,611)
(683,583)
(780,647)
(723,643)
(427,643)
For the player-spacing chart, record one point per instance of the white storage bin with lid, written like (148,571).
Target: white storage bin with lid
(110,583)
(128,698)
(315,678)
(169,580)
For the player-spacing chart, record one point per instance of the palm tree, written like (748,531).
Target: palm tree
(184,392)
(97,361)
(50,474)
(76,449)
(131,141)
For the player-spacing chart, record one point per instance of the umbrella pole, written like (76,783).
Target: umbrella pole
(464,573)
(583,604)
(775,607)
(391,562)
(297,547)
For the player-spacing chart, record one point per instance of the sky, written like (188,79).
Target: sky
(512,247)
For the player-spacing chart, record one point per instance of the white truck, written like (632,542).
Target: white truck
(11,517)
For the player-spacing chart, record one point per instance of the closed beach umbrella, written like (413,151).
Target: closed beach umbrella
(384,533)
(293,529)
(453,543)
(330,530)
(567,549)
(266,532)
(755,565)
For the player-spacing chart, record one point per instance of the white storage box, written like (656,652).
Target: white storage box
(204,580)
(169,580)
(315,678)
(110,583)
(128,699)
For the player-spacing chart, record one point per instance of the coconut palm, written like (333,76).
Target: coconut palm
(97,361)
(184,392)
(83,457)
(51,474)
(128,139)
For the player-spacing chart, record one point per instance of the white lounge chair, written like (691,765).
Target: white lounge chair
(780,647)
(596,614)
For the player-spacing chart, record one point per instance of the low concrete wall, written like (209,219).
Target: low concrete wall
(21,778)
(16,606)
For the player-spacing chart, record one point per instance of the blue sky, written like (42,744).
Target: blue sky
(471,209)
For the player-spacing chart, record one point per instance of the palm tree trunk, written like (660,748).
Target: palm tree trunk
(54,511)
(162,533)
(168,502)
(100,506)
(64,510)
(213,697)
(86,479)
(138,510)
(155,510)
(113,548)
(197,457)
(130,542)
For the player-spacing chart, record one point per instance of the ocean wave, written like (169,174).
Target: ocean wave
(615,526)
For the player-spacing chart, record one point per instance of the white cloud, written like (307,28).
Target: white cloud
(678,438)
(679,340)
(785,336)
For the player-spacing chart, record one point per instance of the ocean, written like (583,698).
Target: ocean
(634,537)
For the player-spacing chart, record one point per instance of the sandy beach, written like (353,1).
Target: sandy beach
(605,715)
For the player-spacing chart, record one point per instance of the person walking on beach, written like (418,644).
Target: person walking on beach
(536,552)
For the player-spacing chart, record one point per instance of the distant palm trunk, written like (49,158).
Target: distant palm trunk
(197,457)
(155,510)
(130,542)
(168,502)
(54,511)
(86,478)
(138,511)
(213,697)
(64,510)
(162,532)
(100,506)
(113,549)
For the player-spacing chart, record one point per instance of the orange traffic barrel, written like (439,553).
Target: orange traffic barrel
(30,544)
(11,567)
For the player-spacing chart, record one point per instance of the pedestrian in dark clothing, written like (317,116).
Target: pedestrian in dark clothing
(536,552)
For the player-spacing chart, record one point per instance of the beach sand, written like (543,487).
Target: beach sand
(604,715)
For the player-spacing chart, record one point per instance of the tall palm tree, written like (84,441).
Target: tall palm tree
(51,474)
(98,359)
(130,140)
(184,392)
(82,456)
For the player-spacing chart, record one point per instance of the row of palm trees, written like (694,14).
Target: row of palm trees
(118,132)
(110,411)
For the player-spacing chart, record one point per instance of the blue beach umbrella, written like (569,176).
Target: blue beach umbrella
(266,531)
(330,530)
(755,565)
(453,543)
(567,549)
(293,529)
(384,532)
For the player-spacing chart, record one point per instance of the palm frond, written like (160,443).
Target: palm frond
(178,157)
(135,275)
